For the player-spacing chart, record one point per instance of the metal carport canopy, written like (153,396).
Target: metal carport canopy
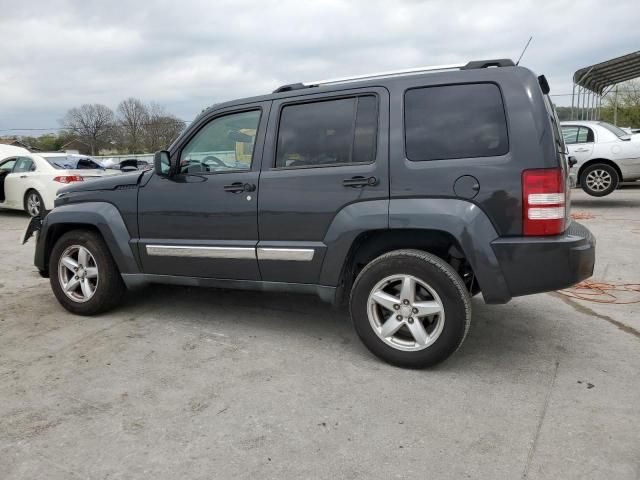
(598,77)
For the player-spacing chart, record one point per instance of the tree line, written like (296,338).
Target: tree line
(134,127)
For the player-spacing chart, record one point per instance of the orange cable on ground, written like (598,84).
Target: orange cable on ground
(601,292)
(582,215)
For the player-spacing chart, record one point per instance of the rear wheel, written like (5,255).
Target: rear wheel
(599,179)
(83,275)
(410,308)
(33,204)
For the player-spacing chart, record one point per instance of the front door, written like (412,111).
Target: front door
(203,221)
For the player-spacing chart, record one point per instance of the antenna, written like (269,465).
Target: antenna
(524,50)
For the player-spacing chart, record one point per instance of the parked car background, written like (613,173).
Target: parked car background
(606,155)
(30,182)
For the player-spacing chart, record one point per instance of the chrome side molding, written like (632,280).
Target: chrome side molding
(248,253)
(237,253)
(287,254)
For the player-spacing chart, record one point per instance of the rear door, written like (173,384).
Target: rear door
(203,221)
(323,153)
(580,141)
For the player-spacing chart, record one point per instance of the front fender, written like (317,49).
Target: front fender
(101,215)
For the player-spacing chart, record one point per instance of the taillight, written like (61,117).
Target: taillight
(543,202)
(68,178)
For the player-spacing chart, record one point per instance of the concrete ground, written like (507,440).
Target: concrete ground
(200,384)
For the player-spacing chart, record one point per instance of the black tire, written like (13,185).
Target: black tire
(431,270)
(601,170)
(109,285)
(40,203)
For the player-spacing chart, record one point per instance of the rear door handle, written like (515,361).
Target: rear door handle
(23,176)
(239,187)
(360,182)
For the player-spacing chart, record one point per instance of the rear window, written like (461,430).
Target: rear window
(73,163)
(618,132)
(455,121)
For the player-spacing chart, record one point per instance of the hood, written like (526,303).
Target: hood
(110,182)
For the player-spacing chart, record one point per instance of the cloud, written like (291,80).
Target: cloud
(186,55)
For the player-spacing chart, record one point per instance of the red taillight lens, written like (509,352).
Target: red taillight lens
(543,202)
(68,178)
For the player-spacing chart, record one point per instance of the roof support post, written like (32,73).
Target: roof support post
(615,106)
(573,97)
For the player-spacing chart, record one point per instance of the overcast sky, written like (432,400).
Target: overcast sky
(188,54)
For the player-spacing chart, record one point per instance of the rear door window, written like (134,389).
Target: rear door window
(328,132)
(455,121)
(23,164)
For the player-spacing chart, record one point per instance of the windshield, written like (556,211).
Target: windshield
(618,132)
(71,162)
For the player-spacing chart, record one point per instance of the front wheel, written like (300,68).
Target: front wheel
(83,275)
(410,308)
(599,179)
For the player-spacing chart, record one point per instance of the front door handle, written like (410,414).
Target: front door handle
(23,176)
(582,149)
(239,187)
(359,181)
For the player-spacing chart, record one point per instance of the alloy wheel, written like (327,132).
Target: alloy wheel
(78,273)
(599,180)
(34,204)
(405,312)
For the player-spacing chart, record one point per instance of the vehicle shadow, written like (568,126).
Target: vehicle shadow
(504,337)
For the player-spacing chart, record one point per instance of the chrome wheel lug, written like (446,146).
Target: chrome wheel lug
(396,307)
(399,318)
(410,320)
(405,302)
(414,310)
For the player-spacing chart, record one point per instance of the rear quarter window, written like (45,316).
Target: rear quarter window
(455,121)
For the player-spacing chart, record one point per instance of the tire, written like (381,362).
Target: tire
(103,291)
(599,179)
(439,287)
(33,204)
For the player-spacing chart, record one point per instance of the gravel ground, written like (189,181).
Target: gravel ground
(204,383)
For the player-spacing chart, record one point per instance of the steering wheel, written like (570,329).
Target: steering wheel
(215,161)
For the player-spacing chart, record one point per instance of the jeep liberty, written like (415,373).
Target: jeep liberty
(401,194)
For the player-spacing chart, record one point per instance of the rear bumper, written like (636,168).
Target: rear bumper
(541,264)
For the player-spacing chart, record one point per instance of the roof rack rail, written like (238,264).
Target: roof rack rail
(503,62)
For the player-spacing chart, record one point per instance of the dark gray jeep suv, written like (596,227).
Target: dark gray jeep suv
(401,193)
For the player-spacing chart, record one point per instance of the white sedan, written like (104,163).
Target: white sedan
(30,182)
(606,155)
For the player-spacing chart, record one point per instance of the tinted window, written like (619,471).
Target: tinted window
(23,164)
(455,121)
(226,143)
(331,132)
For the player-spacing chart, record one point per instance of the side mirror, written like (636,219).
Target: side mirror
(162,163)
(572,161)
